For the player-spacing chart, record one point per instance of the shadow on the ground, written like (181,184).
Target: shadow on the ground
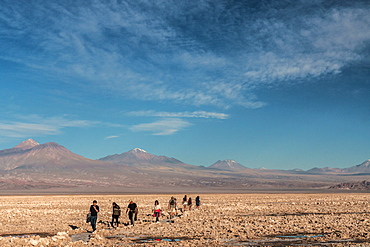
(27,234)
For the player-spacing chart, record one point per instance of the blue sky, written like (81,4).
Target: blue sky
(275,84)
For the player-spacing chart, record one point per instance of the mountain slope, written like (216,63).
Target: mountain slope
(364,167)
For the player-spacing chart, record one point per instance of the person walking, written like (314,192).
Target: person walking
(116,213)
(94,210)
(197,202)
(157,210)
(172,207)
(184,203)
(132,210)
(190,203)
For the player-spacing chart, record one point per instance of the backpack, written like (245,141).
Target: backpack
(172,202)
(116,211)
(88,218)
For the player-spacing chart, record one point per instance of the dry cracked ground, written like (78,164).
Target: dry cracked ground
(222,220)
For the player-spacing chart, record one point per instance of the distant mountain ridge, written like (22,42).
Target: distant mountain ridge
(31,165)
(30,152)
(317,170)
(364,167)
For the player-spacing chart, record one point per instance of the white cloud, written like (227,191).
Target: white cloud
(35,125)
(187,114)
(162,127)
(110,137)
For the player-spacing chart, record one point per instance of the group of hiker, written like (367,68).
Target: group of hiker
(132,210)
(187,204)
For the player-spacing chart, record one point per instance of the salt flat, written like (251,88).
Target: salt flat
(222,220)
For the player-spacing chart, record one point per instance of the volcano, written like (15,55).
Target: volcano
(32,154)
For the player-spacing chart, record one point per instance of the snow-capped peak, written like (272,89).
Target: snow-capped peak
(33,142)
(30,143)
(230,161)
(138,150)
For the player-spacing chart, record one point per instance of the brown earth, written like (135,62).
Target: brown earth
(222,220)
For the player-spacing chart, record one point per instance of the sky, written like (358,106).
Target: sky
(274,84)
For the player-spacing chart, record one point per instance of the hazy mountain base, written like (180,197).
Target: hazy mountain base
(139,181)
(223,220)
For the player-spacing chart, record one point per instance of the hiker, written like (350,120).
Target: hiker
(115,214)
(172,207)
(197,202)
(157,210)
(190,203)
(132,210)
(184,202)
(94,210)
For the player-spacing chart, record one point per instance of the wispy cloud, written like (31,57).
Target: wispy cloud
(19,129)
(35,125)
(162,127)
(187,114)
(216,54)
(110,137)
(319,44)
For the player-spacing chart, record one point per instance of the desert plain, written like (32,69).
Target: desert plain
(339,219)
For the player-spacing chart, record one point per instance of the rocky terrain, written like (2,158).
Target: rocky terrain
(360,185)
(222,220)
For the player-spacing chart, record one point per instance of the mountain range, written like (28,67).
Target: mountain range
(31,166)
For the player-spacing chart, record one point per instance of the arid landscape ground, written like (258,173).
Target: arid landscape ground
(340,219)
